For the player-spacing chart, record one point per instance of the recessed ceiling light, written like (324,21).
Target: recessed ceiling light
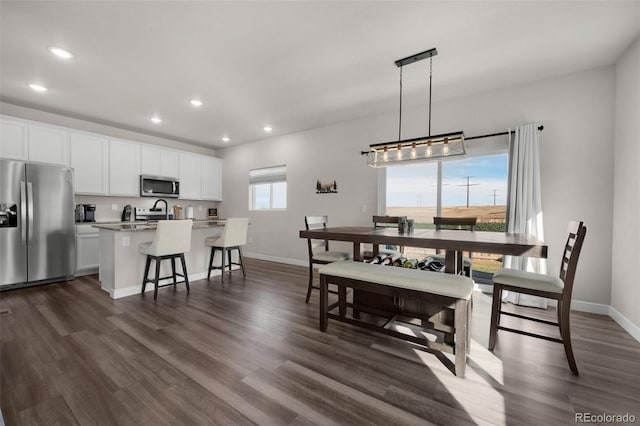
(60,52)
(268,129)
(156,120)
(225,139)
(196,103)
(38,87)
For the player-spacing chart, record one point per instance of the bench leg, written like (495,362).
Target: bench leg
(324,303)
(342,300)
(461,323)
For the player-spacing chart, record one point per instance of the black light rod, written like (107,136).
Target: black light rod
(540,128)
(417,57)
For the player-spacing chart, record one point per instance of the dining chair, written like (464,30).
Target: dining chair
(458,223)
(385,222)
(552,287)
(319,253)
(233,237)
(172,240)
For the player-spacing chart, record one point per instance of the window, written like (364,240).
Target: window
(268,188)
(473,186)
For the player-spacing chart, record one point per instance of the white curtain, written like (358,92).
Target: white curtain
(524,204)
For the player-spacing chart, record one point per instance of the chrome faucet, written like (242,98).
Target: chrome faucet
(166,207)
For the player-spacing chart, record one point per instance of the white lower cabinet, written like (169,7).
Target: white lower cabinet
(87,250)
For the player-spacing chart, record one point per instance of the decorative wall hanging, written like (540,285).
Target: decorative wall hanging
(326,188)
(422,149)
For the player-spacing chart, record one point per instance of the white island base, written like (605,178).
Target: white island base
(122,265)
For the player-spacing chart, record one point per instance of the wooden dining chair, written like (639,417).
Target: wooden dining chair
(552,287)
(459,223)
(387,249)
(319,253)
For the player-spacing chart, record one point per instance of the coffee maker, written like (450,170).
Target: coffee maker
(85,213)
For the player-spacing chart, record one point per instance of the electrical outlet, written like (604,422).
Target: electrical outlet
(114,207)
(125,241)
(364,208)
(249,240)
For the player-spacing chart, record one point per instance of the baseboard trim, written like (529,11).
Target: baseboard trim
(288,261)
(625,323)
(593,308)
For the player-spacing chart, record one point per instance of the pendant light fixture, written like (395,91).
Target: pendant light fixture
(422,149)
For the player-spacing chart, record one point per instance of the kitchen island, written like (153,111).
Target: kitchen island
(122,265)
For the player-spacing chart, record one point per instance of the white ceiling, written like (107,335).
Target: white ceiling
(293,65)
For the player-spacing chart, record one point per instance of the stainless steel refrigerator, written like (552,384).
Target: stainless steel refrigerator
(37,241)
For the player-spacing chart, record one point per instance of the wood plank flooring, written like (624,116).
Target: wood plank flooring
(249,352)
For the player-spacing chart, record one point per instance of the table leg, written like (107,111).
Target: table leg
(356,252)
(453,261)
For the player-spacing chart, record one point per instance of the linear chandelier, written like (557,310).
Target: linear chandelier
(422,149)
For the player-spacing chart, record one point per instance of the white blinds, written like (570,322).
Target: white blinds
(268,175)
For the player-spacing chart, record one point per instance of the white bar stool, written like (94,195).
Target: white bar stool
(172,240)
(233,237)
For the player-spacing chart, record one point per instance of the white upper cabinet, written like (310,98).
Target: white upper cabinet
(190,176)
(48,144)
(13,139)
(200,177)
(89,157)
(211,178)
(124,168)
(159,162)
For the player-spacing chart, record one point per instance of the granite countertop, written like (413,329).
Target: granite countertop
(145,226)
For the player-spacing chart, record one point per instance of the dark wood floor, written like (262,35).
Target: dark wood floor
(249,351)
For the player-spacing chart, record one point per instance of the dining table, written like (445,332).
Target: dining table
(453,242)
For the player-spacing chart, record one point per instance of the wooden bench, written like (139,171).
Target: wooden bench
(441,301)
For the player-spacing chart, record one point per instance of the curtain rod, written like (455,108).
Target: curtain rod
(540,128)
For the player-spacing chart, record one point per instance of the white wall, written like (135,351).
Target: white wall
(577,173)
(625,286)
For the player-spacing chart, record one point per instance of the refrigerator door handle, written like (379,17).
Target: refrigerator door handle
(23,213)
(30,212)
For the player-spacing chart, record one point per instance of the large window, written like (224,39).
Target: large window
(268,188)
(475,186)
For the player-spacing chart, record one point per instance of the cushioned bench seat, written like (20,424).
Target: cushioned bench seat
(446,291)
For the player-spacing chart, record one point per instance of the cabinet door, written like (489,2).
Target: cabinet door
(150,161)
(159,162)
(48,144)
(87,250)
(13,139)
(211,179)
(170,163)
(190,177)
(90,160)
(124,168)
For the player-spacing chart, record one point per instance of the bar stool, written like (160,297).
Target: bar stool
(233,237)
(172,240)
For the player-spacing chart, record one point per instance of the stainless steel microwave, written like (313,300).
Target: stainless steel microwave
(159,187)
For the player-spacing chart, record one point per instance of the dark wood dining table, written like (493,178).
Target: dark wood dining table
(453,242)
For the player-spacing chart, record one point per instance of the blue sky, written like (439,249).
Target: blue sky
(415,186)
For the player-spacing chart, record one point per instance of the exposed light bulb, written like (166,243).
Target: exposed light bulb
(445,148)
(413,150)
(399,155)
(428,153)
(385,156)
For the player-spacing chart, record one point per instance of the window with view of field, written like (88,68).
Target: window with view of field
(471,187)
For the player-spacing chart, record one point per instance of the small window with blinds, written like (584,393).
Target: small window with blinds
(268,188)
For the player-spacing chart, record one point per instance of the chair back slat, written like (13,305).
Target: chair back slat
(313,223)
(468,223)
(385,221)
(577,231)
